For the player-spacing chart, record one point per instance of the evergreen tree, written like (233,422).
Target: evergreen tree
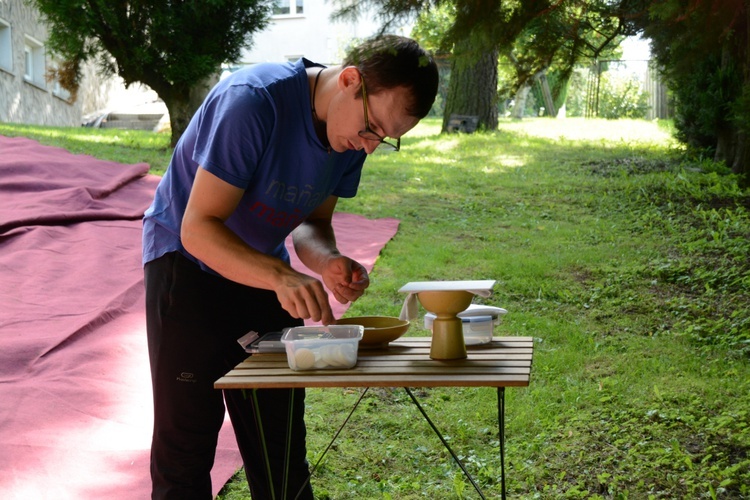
(703,47)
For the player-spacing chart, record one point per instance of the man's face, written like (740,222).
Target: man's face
(386,116)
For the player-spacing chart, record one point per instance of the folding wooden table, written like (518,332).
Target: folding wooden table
(504,362)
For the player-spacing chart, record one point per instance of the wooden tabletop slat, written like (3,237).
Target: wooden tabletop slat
(395,363)
(425,342)
(265,360)
(376,370)
(506,361)
(425,352)
(415,355)
(317,380)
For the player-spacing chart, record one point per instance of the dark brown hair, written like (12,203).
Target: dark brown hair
(390,61)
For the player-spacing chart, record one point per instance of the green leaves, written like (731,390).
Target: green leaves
(172,47)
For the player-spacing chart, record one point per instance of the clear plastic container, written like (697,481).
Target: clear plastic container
(477,329)
(322,347)
(478,322)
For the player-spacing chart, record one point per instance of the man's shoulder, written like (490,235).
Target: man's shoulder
(265,74)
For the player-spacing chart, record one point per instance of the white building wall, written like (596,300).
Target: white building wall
(23,100)
(311,34)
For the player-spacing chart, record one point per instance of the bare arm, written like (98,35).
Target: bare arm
(315,244)
(205,236)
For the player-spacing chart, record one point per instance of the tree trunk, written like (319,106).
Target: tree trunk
(182,104)
(732,133)
(180,113)
(519,101)
(560,89)
(200,90)
(549,103)
(741,161)
(472,89)
(732,149)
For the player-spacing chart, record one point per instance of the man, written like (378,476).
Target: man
(268,153)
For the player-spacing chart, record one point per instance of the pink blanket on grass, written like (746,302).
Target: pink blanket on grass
(75,396)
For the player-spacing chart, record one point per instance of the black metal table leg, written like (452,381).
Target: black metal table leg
(445,443)
(501,436)
(336,435)
(501,428)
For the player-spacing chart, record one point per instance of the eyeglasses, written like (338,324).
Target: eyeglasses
(370,134)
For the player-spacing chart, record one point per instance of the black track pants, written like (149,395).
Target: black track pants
(194,319)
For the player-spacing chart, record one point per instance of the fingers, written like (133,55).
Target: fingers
(349,292)
(312,310)
(360,279)
(342,295)
(355,288)
(306,298)
(318,307)
(347,279)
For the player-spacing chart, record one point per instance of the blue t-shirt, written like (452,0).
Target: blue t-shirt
(254,131)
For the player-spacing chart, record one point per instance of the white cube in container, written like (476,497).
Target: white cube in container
(322,347)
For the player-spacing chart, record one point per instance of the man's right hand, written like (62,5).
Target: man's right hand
(304,297)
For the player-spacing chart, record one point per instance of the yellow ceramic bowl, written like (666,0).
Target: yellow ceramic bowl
(379,330)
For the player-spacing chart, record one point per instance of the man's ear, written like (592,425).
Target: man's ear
(350,79)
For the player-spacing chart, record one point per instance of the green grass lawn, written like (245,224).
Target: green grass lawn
(626,262)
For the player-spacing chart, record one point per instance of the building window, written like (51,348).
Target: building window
(57,89)
(288,8)
(28,63)
(34,68)
(6,47)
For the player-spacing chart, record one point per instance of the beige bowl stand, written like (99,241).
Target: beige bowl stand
(447,329)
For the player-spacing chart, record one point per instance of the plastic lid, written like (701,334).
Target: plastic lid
(480,310)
